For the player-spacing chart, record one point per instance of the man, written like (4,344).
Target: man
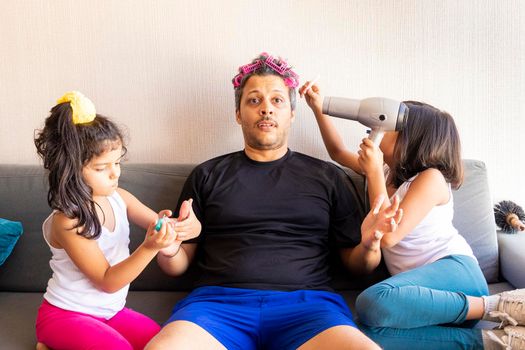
(268,218)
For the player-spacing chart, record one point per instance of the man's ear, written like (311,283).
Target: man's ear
(238,117)
(293,117)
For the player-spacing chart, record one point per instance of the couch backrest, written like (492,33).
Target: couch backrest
(23,198)
(474,217)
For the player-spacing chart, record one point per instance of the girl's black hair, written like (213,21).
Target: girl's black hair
(429,139)
(65,149)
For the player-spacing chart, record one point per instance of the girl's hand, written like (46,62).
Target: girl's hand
(312,94)
(163,213)
(172,250)
(187,225)
(379,222)
(157,240)
(370,158)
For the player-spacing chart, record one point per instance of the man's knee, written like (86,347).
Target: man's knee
(340,337)
(183,335)
(166,339)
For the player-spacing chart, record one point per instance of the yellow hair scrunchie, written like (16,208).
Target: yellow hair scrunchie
(83,109)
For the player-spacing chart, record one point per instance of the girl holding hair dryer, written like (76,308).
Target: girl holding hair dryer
(437,291)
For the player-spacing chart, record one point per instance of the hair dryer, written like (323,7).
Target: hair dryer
(378,113)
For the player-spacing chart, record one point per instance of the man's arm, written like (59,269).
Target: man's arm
(176,260)
(366,256)
(360,259)
(177,264)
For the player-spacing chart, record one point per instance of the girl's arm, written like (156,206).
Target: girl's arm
(90,260)
(332,139)
(428,190)
(187,226)
(138,213)
(371,162)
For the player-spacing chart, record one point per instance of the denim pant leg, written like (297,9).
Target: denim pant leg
(425,307)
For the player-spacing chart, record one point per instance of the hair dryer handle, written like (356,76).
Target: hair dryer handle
(376,136)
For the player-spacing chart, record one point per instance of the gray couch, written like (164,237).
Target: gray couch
(24,275)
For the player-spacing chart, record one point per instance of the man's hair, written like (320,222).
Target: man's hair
(264,69)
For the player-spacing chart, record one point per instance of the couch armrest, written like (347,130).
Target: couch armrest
(512,258)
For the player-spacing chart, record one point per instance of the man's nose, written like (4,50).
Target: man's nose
(266,109)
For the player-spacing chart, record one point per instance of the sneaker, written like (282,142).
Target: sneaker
(511,338)
(511,308)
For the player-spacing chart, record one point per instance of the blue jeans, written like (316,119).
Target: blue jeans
(424,308)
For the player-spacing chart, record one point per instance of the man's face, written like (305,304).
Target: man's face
(265,113)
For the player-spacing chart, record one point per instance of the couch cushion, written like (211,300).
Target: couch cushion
(23,198)
(512,258)
(474,217)
(155,304)
(17,320)
(10,231)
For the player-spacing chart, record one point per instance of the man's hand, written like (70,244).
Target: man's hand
(379,222)
(187,225)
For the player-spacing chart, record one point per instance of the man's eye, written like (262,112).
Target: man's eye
(278,100)
(99,169)
(253,101)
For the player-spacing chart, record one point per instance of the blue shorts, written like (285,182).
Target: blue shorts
(255,319)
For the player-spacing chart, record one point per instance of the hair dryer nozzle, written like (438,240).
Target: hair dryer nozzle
(341,107)
(378,113)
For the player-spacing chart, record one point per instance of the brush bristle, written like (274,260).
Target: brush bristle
(502,210)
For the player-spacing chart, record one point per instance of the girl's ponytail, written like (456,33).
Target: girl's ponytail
(66,147)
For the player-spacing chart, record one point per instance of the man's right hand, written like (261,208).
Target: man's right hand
(187,225)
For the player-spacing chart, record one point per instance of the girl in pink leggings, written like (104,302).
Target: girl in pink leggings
(88,234)
(63,329)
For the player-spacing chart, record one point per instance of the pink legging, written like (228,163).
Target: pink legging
(63,329)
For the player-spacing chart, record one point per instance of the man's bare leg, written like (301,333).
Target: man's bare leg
(340,337)
(183,335)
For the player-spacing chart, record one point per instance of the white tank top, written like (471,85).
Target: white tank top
(433,238)
(70,289)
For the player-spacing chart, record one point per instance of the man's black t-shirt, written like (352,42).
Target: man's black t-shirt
(267,225)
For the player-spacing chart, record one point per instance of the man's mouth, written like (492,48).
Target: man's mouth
(266,124)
